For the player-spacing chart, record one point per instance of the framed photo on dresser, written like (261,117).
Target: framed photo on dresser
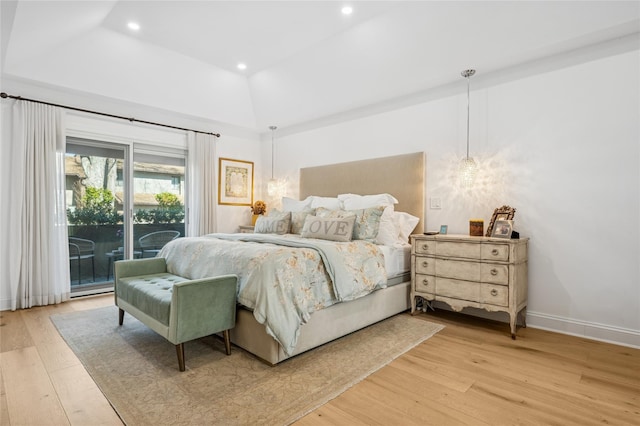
(502,229)
(501,213)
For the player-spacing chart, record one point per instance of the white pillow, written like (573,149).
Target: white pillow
(357,202)
(406,224)
(388,232)
(291,205)
(330,203)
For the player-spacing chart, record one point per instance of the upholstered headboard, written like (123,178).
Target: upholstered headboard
(402,176)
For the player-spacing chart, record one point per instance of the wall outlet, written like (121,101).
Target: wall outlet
(436,203)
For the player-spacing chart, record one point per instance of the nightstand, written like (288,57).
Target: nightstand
(478,272)
(245,229)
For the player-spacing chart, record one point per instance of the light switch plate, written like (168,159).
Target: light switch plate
(436,203)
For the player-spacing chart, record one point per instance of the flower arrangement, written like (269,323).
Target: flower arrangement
(259,207)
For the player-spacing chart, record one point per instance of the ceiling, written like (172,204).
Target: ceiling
(305,59)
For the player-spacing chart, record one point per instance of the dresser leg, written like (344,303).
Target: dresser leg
(513,319)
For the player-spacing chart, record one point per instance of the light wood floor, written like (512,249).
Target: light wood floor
(469,373)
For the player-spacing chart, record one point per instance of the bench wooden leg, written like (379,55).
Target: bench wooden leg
(120,316)
(227,341)
(180,353)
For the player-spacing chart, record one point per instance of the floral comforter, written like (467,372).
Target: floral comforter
(282,278)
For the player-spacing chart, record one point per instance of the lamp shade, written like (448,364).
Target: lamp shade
(277,188)
(467,172)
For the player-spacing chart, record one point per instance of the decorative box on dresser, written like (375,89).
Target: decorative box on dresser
(478,272)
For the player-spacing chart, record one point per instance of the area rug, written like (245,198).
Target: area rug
(137,370)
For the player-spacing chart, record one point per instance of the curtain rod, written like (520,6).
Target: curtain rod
(3,95)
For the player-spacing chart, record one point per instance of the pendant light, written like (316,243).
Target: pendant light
(468,168)
(273,186)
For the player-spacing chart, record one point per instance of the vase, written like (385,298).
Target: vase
(254,218)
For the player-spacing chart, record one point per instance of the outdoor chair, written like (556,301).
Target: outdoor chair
(81,249)
(150,244)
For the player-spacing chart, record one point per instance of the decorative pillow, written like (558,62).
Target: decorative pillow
(356,202)
(297,220)
(330,203)
(329,228)
(291,205)
(367,221)
(276,223)
(406,224)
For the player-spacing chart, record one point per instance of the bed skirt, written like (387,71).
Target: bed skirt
(325,325)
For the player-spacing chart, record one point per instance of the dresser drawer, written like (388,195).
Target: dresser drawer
(494,294)
(425,265)
(424,246)
(494,273)
(498,252)
(458,289)
(458,269)
(425,283)
(457,249)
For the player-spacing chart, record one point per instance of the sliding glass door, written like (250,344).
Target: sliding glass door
(96,201)
(119,207)
(158,199)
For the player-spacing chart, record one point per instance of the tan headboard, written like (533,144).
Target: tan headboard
(402,176)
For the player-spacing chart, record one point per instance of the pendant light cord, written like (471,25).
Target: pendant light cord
(468,102)
(467,74)
(273,129)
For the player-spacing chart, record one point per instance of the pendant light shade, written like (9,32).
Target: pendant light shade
(467,172)
(468,168)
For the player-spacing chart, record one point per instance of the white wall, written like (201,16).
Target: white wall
(561,147)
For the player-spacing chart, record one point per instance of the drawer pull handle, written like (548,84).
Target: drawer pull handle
(425,247)
(494,252)
(425,281)
(494,292)
(425,264)
(494,271)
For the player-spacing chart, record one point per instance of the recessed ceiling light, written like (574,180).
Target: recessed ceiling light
(242,66)
(133,26)
(347,10)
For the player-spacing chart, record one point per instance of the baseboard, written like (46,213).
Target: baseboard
(588,330)
(5,304)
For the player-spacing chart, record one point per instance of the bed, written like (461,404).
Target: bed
(402,176)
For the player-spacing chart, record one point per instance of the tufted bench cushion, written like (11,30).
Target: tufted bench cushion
(177,308)
(150,293)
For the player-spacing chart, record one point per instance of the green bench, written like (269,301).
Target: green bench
(177,308)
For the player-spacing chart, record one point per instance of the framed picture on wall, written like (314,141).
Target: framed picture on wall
(235,182)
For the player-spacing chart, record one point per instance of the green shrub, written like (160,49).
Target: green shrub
(170,210)
(167,199)
(96,208)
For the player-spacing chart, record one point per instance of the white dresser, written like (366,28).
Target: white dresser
(463,271)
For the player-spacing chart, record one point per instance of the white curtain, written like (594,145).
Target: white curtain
(202,195)
(39,252)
